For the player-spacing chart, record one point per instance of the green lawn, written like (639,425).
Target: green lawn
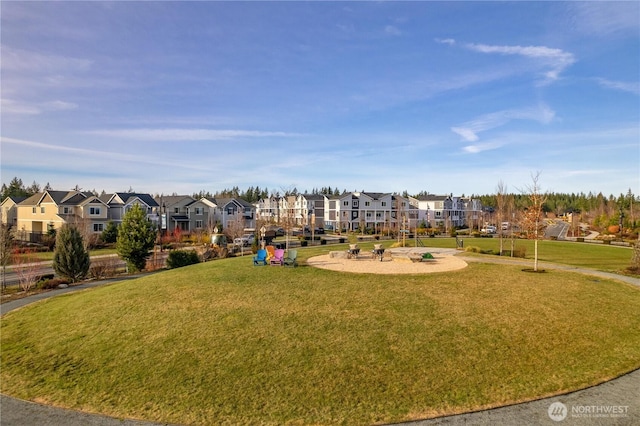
(588,255)
(228,343)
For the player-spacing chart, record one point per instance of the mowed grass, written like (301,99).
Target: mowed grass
(588,255)
(228,343)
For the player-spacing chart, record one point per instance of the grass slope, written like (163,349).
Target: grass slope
(228,343)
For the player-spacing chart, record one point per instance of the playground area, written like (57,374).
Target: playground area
(402,260)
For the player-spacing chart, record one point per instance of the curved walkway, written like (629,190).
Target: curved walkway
(615,402)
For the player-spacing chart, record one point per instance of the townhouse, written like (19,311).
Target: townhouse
(369,210)
(351,211)
(446,211)
(188,214)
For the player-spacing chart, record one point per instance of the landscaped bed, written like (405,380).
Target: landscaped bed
(228,343)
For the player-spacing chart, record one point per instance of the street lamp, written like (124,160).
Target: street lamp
(263,231)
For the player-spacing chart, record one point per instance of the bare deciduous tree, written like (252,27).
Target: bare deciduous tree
(6,244)
(501,198)
(532,219)
(27,268)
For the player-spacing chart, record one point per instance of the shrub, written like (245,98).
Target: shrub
(181,258)
(70,259)
(103,268)
(473,249)
(52,283)
(520,251)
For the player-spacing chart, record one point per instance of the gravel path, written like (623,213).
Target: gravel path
(616,402)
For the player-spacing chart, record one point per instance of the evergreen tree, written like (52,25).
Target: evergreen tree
(70,258)
(110,233)
(136,237)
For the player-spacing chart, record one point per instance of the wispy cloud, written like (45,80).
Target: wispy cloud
(187,134)
(620,85)
(11,106)
(469,131)
(603,18)
(101,155)
(30,61)
(555,59)
(392,30)
(477,148)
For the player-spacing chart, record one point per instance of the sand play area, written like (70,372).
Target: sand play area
(396,261)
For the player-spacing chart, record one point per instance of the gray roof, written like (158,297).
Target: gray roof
(58,197)
(126,196)
(431,197)
(170,200)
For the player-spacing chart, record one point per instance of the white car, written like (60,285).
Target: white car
(245,240)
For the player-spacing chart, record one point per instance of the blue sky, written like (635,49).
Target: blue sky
(444,97)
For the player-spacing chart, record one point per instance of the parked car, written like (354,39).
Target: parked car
(245,241)
(488,230)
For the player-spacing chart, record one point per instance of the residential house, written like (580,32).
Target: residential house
(121,202)
(51,209)
(230,212)
(9,209)
(176,209)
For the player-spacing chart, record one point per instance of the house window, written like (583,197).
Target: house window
(384,203)
(367,203)
(199,224)
(199,210)
(33,210)
(42,209)
(230,210)
(345,203)
(98,227)
(94,210)
(176,209)
(66,210)
(355,204)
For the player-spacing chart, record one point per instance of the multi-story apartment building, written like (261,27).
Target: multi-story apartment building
(296,210)
(268,209)
(446,211)
(369,210)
